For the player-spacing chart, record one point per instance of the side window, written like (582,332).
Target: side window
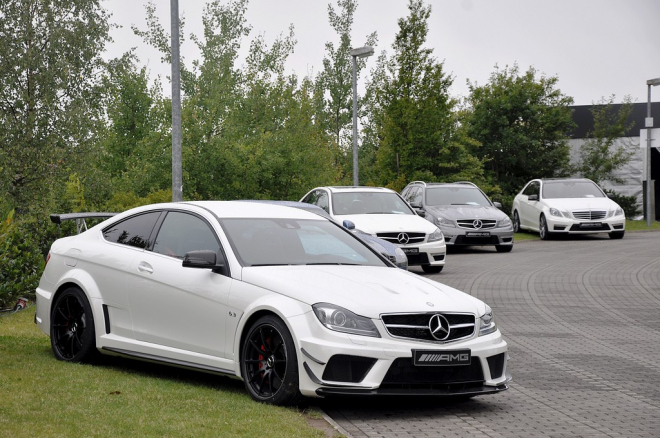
(182,233)
(134,231)
(322,201)
(310,198)
(531,189)
(404,193)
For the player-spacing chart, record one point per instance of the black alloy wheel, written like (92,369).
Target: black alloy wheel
(72,334)
(269,363)
(516,222)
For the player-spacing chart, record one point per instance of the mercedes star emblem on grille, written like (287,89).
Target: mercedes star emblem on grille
(439,327)
(403,238)
(477,224)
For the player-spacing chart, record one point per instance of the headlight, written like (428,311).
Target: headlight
(618,212)
(341,320)
(437,235)
(487,322)
(443,221)
(502,223)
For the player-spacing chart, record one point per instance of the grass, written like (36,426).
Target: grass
(631,226)
(41,396)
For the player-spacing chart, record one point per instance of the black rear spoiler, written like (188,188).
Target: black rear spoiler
(81,225)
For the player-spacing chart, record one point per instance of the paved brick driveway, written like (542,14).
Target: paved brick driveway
(582,319)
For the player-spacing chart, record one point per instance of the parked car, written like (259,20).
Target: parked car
(392,252)
(382,213)
(463,212)
(288,301)
(567,206)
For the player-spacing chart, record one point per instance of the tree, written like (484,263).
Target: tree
(522,123)
(414,125)
(606,150)
(51,56)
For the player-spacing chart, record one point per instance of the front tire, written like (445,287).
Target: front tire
(269,364)
(503,248)
(516,222)
(430,269)
(543,229)
(617,234)
(72,334)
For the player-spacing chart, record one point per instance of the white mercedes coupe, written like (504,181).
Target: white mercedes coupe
(290,302)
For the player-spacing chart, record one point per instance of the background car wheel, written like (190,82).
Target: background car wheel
(617,234)
(269,364)
(72,334)
(503,248)
(516,222)
(430,269)
(543,229)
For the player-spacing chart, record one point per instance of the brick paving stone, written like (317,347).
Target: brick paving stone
(582,319)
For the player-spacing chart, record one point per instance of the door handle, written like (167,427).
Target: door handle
(145,267)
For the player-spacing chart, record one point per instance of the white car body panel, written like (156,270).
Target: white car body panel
(146,305)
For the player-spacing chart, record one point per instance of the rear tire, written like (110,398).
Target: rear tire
(503,248)
(430,269)
(72,334)
(617,234)
(269,364)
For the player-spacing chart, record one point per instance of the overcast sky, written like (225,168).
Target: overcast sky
(596,47)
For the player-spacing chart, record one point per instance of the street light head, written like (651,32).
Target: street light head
(362,52)
(653,82)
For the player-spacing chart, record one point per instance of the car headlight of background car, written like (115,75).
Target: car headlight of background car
(503,223)
(341,320)
(617,212)
(556,212)
(443,221)
(487,322)
(437,235)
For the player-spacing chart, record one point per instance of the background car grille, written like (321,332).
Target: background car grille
(589,215)
(416,325)
(394,237)
(403,371)
(469,223)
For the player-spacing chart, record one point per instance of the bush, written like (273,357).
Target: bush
(627,203)
(21,260)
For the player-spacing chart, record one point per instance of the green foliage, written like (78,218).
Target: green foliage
(121,201)
(415,129)
(602,155)
(21,260)
(51,59)
(522,123)
(627,203)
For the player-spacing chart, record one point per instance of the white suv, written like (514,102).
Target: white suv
(383,213)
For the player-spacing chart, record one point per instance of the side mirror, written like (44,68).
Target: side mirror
(420,213)
(203,259)
(416,205)
(533,198)
(349,225)
(497,205)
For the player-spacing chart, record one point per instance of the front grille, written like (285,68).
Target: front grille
(496,365)
(402,371)
(345,368)
(473,224)
(590,215)
(602,227)
(395,237)
(467,240)
(416,325)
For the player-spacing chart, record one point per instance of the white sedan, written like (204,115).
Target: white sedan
(567,206)
(290,302)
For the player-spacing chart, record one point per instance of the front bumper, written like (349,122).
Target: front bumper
(456,236)
(575,226)
(433,253)
(333,363)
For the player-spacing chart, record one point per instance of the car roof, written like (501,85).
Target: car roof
(368,189)
(450,184)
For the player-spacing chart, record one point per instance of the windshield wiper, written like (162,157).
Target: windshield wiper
(335,263)
(275,264)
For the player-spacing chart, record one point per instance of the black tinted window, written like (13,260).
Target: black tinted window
(182,233)
(134,231)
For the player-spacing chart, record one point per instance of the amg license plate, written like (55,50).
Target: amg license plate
(410,250)
(478,234)
(441,357)
(590,225)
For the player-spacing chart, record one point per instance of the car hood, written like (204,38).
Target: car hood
(365,290)
(384,223)
(581,203)
(467,212)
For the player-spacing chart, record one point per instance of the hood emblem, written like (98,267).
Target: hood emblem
(477,224)
(403,238)
(439,327)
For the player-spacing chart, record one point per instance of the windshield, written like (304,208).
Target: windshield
(571,189)
(273,242)
(369,203)
(456,196)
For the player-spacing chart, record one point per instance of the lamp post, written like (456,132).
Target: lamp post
(361,52)
(177,171)
(649,125)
